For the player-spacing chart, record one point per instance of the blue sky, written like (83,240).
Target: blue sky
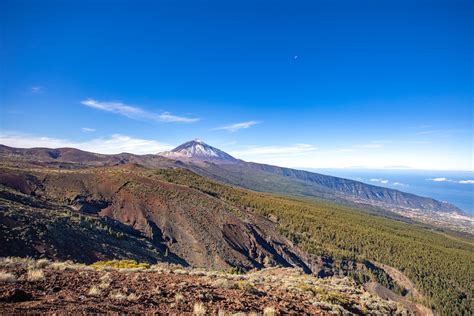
(308,84)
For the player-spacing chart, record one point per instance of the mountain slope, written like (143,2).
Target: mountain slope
(230,169)
(268,178)
(175,215)
(215,164)
(197,150)
(194,226)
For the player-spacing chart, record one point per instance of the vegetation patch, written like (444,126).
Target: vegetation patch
(120,264)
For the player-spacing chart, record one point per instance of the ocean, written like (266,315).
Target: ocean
(455,187)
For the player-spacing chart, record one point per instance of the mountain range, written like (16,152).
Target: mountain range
(216,164)
(198,206)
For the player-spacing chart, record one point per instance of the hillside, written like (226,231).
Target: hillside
(174,215)
(28,286)
(194,226)
(213,163)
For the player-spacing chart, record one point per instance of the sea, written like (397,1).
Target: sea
(455,187)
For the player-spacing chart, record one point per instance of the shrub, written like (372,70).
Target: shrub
(246,286)
(35,275)
(132,297)
(222,283)
(61,266)
(199,309)
(94,291)
(6,277)
(42,263)
(105,281)
(269,311)
(118,296)
(120,264)
(334,297)
(309,288)
(178,297)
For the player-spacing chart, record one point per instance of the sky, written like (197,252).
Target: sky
(304,84)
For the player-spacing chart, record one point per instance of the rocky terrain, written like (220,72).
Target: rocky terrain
(28,286)
(65,204)
(193,227)
(215,164)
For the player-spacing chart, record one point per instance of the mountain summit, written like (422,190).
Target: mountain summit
(197,150)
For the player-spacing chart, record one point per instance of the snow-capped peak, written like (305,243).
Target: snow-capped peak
(199,151)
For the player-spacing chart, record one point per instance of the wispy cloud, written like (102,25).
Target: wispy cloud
(426,132)
(419,142)
(440,180)
(450,180)
(168,117)
(297,149)
(134,112)
(384,181)
(36,89)
(88,129)
(372,145)
(237,126)
(400,184)
(106,145)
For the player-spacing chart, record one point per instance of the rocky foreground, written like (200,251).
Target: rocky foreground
(29,286)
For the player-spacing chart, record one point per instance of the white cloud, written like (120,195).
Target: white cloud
(383,181)
(135,112)
(235,127)
(400,184)
(440,180)
(168,117)
(105,145)
(88,129)
(36,89)
(450,180)
(345,150)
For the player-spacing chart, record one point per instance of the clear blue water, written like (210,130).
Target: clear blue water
(449,187)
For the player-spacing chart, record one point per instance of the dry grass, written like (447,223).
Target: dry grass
(335,297)
(199,309)
(60,266)
(6,277)
(222,283)
(246,286)
(35,275)
(120,264)
(13,261)
(118,296)
(105,281)
(42,263)
(178,297)
(269,311)
(94,291)
(132,297)
(181,271)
